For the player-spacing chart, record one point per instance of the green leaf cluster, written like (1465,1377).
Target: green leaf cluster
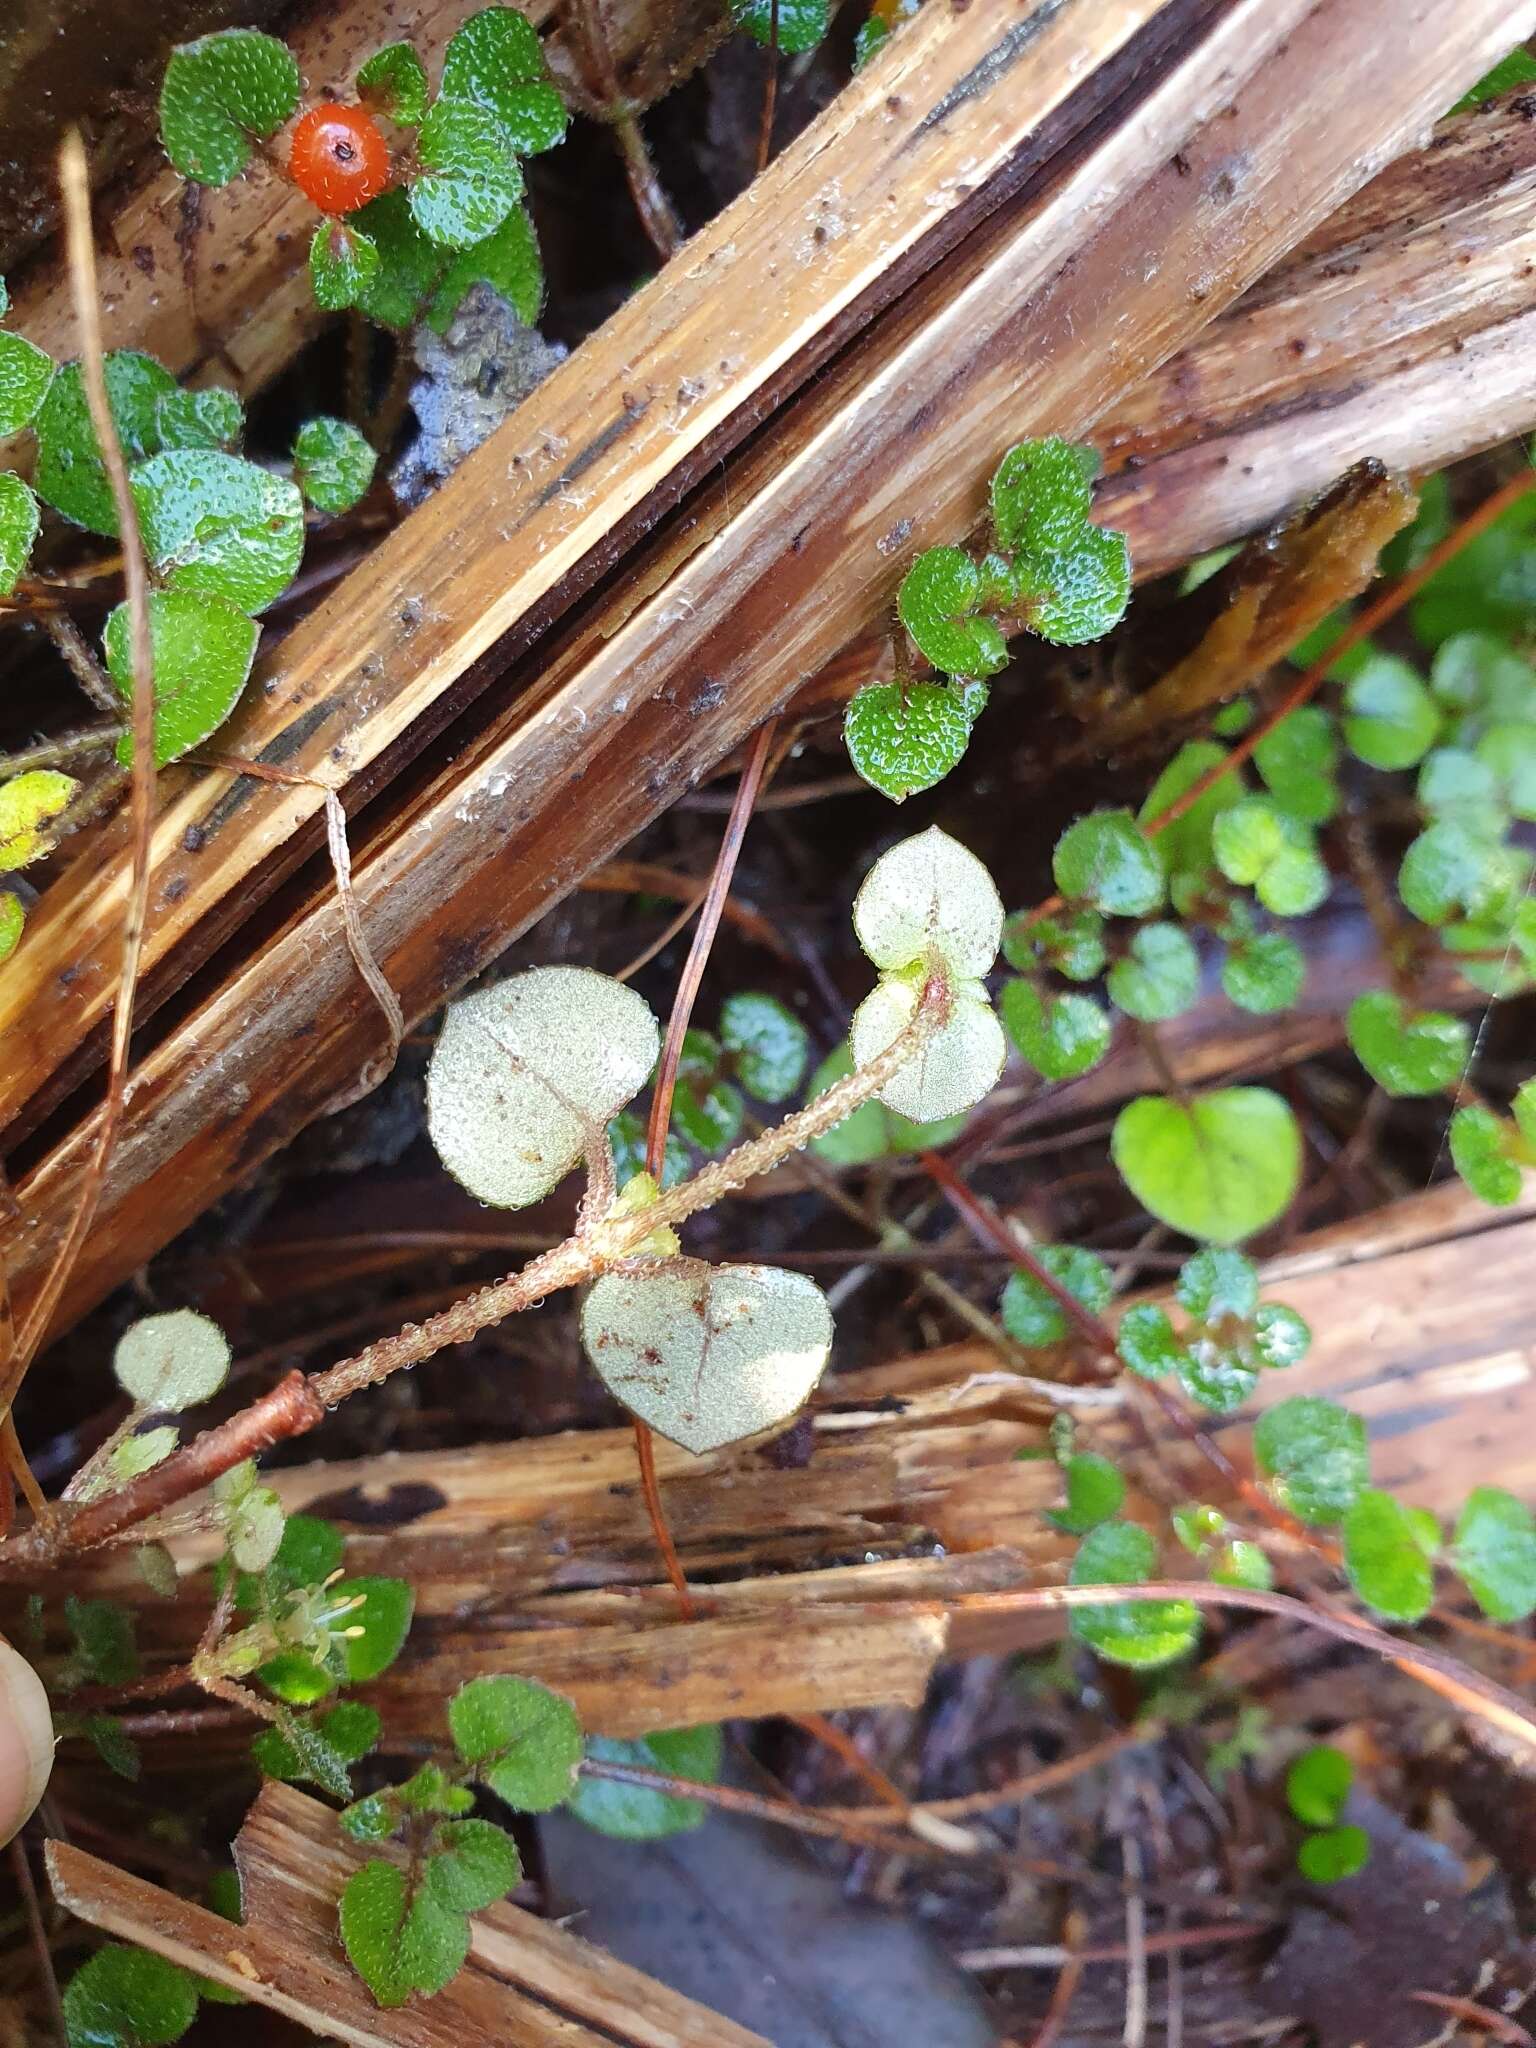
(407,1929)
(1316,1787)
(1050,571)
(1229,1336)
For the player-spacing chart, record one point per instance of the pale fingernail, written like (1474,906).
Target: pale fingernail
(26,1741)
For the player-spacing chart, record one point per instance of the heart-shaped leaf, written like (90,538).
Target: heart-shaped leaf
(399,1942)
(1316,1453)
(769,1042)
(1159,975)
(28,806)
(1483,1153)
(903,738)
(214,418)
(202,650)
(1407,1053)
(507,260)
(25,374)
(1219,1167)
(1106,861)
(216,524)
(1041,495)
(523,1740)
(929,898)
(469,180)
(19,521)
(938,601)
(70,475)
(393,82)
(218,92)
(343,263)
(952,1069)
(1079,592)
(708,1355)
(127,1998)
(1060,1035)
(1495,1553)
(526,1075)
(333,463)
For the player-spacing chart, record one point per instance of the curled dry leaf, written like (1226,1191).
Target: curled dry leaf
(525,1076)
(707,1355)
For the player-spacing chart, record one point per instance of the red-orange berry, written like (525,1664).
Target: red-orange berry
(339,159)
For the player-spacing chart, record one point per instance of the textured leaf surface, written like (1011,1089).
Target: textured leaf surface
(217,93)
(333,463)
(70,475)
(1142,1634)
(1404,1052)
(1107,862)
(202,648)
(343,263)
(172,1361)
(1316,1453)
(393,82)
(216,524)
(470,180)
(19,521)
(525,1072)
(938,603)
(903,739)
(952,1069)
(28,806)
(708,1355)
(1494,1551)
(634,1813)
(25,374)
(127,1998)
(524,1740)
(929,898)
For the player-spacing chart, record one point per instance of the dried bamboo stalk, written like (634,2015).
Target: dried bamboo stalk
(893,446)
(527,1984)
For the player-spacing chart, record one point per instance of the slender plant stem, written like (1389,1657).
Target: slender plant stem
(770,92)
(299,1403)
(75,188)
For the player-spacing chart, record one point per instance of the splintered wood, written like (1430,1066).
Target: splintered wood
(528,1983)
(845,1579)
(1041,269)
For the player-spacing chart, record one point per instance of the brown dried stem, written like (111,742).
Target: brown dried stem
(75,189)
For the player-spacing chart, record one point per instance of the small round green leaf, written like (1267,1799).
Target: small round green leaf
(1494,1552)
(127,1998)
(1031,1313)
(1452,869)
(1095,1491)
(1281,1338)
(802,24)
(634,1813)
(1383,1558)
(1142,1634)
(1107,862)
(1317,1785)
(526,1072)
(19,521)
(219,525)
(398,1943)
(469,181)
(1480,1152)
(1407,1053)
(25,374)
(383,1619)
(1219,1168)
(1146,1341)
(1242,1563)
(1299,764)
(393,82)
(1080,592)
(903,738)
(929,898)
(1217,1284)
(1073,944)
(333,463)
(1264,848)
(1316,1454)
(507,260)
(217,92)
(769,1042)
(473,1863)
(1390,718)
(1334,1854)
(70,475)
(343,263)
(1040,496)
(13,922)
(173,1361)
(1158,977)
(938,602)
(411,268)
(523,1739)
(1264,973)
(202,649)
(214,418)
(1060,1035)
(951,1070)
(28,806)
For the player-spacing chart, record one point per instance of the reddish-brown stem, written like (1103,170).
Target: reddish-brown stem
(291,1408)
(710,912)
(830,1736)
(770,92)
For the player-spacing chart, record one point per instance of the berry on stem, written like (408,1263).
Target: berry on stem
(339,159)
